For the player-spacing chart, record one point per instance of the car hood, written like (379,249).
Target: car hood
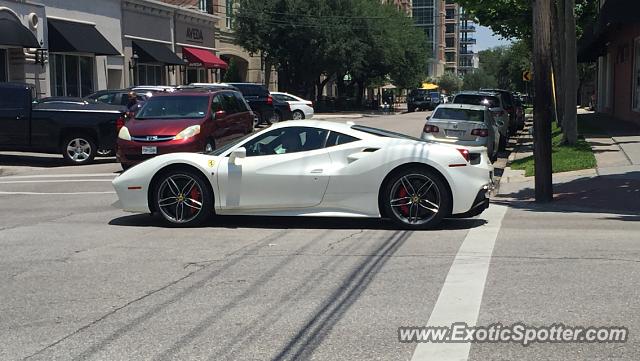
(168,127)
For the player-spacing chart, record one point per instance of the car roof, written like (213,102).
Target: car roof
(478,92)
(461,106)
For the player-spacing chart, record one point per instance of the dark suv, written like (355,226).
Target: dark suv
(510,106)
(259,99)
(422,99)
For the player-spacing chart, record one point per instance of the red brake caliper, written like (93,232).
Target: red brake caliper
(402,193)
(195,194)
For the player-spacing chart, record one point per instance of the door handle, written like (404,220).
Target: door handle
(316,171)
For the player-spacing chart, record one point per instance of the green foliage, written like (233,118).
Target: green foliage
(450,82)
(564,157)
(306,39)
(505,65)
(232,75)
(478,79)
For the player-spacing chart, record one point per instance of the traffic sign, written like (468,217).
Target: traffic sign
(527,76)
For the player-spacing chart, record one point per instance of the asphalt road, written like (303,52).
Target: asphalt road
(80,279)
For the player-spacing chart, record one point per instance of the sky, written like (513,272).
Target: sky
(486,39)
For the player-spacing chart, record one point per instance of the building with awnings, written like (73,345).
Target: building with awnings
(613,41)
(21,36)
(167,44)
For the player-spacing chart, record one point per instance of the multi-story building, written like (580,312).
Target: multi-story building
(428,15)
(468,59)
(403,5)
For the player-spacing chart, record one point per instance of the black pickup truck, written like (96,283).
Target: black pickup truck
(74,129)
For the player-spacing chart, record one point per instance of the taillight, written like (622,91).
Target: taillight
(464,153)
(269,100)
(428,128)
(119,123)
(480,132)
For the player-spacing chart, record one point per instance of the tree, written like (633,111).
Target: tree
(570,72)
(478,79)
(330,39)
(232,75)
(450,82)
(542,100)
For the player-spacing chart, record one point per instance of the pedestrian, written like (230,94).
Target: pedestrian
(133,105)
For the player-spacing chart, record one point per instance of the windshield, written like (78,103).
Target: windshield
(175,107)
(489,101)
(383,133)
(469,115)
(230,145)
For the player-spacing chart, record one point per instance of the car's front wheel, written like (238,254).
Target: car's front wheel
(78,149)
(183,198)
(416,198)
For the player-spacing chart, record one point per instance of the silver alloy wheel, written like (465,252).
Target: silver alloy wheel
(415,199)
(79,150)
(180,198)
(298,115)
(275,118)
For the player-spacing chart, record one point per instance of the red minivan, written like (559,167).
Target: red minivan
(184,121)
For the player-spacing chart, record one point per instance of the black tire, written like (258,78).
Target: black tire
(184,197)
(258,119)
(503,143)
(276,117)
(437,193)
(78,149)
(106,153)
(299,114)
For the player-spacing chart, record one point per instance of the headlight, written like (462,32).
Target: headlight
(188,132)
(124,134)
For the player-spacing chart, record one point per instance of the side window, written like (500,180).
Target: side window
(336,138)
(242,104)
(286,141)
(12,99)
(106,98)
(217,104)
(229,103)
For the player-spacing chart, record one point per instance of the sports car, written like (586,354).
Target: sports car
(315,169)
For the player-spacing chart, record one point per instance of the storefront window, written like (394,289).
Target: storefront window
(149,74)
(71,75)
(636,77)
(197,75)
(4,65)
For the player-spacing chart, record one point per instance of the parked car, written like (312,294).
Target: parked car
(63,100)
(116,97)
(314,168)
(77,130)
(508,103)
(519,107)
(184,121)
(150,90)
(422,99)
(463,124)
(282,111)
(493,101)
(259,99)
(302,109)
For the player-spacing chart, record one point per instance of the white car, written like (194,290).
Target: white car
(313,168)
(302,109)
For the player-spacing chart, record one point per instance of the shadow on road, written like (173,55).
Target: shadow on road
(617,194)
(146,220)
(44,161)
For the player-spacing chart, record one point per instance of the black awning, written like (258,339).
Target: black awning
(13,33)
(72,37)
(151,52)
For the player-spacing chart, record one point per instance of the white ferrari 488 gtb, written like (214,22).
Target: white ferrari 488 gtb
(314,168)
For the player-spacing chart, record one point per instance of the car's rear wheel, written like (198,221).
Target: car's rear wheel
(416,198)
(183,198)
(298,115)
(78,149)
(276,117)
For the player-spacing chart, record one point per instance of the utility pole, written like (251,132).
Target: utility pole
(542,102)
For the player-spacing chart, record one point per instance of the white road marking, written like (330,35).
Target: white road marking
(52,193)
(461,294)
(58,181)
(59,176)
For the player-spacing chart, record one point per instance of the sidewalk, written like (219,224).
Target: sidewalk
(613,187)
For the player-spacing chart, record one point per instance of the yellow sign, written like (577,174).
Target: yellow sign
(527,75)
(429,86)
(211,163)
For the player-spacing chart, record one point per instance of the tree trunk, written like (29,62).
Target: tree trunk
(557,49)
(542,107)
(570,121)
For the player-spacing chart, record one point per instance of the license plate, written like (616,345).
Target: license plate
(149,150)
(454,133)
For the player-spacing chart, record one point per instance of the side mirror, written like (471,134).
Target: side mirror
(237,154)
(219,115)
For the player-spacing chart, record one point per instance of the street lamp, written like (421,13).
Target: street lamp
(133,64)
